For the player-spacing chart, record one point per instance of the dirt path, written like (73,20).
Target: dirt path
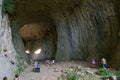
(49,72)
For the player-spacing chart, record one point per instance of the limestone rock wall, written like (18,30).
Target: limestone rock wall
(10,60)
(88,31)
(47,44)
(48,47)
(116,57)
(21,56)
(7,51)
(84,28)
(17,41)
(85,31)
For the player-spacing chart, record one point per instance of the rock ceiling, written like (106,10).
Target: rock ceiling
(39,11)
(29,11)
(30,31)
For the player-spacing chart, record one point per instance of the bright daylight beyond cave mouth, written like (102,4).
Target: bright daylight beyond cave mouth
(60,39)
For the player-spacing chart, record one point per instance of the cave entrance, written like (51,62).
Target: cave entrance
(39,40)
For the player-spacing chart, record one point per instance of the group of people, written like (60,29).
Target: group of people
(36,67)
(16,77)
(103,62)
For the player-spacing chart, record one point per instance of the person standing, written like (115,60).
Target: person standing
(31,61)
(53,61)
(93,63)
(35,67)
(38,67)
(104,63)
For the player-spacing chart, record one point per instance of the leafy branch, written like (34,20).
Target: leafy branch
(8,6)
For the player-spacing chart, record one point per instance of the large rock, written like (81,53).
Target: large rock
(7,51)
(9,57)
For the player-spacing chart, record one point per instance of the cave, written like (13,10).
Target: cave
(65,30)
(39,36)
(76,29)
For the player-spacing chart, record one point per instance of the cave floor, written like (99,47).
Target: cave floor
(50,72)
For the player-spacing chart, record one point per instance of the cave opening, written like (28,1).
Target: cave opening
(47,25)
(67,33)
(41,38)
(70,34)
(69,30)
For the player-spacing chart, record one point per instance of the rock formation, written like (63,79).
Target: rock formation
(7,51)
(9,59)
(63,29)
(90,31)
(80,29)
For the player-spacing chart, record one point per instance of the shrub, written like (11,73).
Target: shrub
(8,6)
(118,73)
(72,76)
(104,73)
(75,73)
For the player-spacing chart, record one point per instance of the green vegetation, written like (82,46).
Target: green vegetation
(79,73)
(118,73)
(76,73)
(104,73)
(20,63)
(20,56)
(72,76)
(19,68)
(8,6)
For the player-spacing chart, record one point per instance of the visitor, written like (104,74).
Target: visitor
(31,61)
(38,67)
(53,61)
(35,66)
(16,77)
(5,78)
(93,63)
(104,63)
